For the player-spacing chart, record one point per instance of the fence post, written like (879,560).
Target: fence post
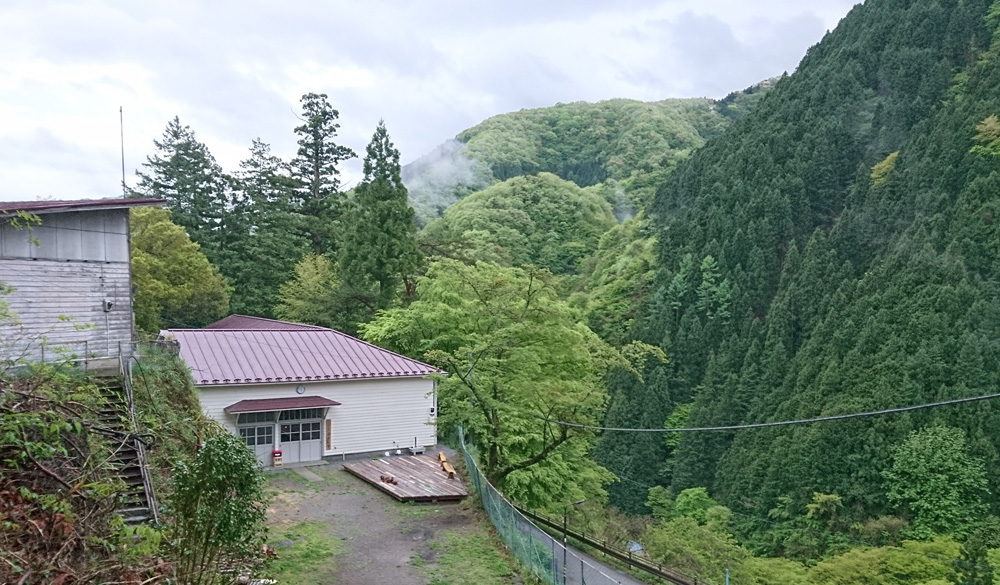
(583,577)
(554,563)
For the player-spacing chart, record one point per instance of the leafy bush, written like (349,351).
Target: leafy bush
(217,512)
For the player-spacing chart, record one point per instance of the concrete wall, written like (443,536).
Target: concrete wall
(61,282)
(374,415)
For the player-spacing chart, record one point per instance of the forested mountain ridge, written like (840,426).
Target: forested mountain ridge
(834,251)
(624,141)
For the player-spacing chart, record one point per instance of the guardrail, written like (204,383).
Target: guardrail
(656,570)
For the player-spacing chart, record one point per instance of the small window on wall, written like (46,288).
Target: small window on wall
(257,435)
(301,414)
(249,418)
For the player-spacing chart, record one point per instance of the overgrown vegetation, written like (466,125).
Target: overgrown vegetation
(167,408)
(58,485)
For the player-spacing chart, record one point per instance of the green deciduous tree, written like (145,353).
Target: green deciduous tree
(937,482)
(694,503)
(379,247)
(175,283)
(315,169)
(694,550)
(317,296)
(516,354)
(217,512)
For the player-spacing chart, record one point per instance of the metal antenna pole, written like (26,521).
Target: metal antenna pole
(121,126)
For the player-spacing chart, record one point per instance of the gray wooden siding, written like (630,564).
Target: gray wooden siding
(59,304)
(95,236)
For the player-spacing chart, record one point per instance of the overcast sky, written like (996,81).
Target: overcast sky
(235,71)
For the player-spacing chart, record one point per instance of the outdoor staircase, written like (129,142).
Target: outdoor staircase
(137,503)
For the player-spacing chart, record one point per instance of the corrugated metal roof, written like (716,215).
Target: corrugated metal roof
(248,322)
(268,404)
(77,204)
(220,357)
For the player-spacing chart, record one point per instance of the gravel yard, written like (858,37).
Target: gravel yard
(343,531)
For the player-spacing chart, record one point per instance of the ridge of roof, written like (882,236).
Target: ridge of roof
(78,204)
(239,322)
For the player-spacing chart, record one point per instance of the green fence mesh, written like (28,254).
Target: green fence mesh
(543,555)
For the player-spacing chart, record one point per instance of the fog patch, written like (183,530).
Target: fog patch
(442,177)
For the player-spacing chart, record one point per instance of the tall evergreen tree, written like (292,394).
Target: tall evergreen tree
(270,239)
(380,247)
(315,169)
(185,173)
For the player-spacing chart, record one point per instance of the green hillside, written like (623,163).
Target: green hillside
(631,143)
(536,219)
(835,251)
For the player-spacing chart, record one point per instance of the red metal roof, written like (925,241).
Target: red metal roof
(268,404)
(222,357)
(258,323)
(76,204)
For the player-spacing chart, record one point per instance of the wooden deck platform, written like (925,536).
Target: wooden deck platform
(419,478)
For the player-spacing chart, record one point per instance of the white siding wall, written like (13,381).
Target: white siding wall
(374,415)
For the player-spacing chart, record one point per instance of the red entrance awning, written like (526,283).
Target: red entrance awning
(268,404)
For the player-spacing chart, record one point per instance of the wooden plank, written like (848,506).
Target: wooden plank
(417,477)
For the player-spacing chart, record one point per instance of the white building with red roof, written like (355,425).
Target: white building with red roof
(308,392)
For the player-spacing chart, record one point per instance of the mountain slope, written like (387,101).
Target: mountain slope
(804,270)
(624,141)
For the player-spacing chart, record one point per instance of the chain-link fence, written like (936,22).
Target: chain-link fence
(545,556)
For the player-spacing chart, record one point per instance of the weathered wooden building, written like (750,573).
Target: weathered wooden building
(71,279)
(309,392)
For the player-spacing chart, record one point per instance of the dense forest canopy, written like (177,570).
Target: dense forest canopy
(821,243)
(538,219)
(846,228)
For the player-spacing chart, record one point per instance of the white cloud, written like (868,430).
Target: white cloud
(234,71)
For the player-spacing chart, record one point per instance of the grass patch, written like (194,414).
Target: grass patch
(414,510)
(468,558)
(305,554)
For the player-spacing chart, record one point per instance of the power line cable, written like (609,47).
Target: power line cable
(775,423)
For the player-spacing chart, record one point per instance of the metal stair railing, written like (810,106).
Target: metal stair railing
(140,447)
